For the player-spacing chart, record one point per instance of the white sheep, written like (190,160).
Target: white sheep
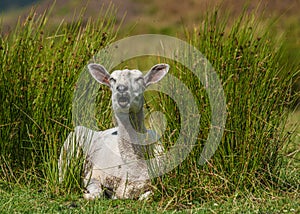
(115,163)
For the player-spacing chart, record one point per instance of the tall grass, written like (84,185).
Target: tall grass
(39,69)
(257,87)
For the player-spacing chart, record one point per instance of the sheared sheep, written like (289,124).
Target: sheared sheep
(115,163)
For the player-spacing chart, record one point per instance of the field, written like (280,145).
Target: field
(256,166)
(33,200)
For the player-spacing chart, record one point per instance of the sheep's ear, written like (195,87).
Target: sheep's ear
(156,73)
(99,73)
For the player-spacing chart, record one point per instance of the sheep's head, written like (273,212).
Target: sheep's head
(127,86)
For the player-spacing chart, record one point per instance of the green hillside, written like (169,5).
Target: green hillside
(171,16)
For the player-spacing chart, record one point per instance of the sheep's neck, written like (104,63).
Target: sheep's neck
(130,134)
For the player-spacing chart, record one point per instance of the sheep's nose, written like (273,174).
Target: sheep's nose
(122,88)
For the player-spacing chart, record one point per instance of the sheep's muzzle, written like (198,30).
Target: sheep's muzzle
(123,101)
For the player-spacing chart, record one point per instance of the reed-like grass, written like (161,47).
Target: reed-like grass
(257,86)
(39,69)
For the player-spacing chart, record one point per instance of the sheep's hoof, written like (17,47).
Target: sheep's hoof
(145,196)
(114,197)
(91,195)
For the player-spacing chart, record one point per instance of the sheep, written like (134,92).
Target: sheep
(115,164)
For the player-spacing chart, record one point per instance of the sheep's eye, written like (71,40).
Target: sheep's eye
(112,80)
(139,78)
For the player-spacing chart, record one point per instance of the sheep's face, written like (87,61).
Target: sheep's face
(128,86)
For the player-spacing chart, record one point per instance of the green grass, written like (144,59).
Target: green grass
(293,150)
(24,199)
(39,69)
(252,170)
(257,89)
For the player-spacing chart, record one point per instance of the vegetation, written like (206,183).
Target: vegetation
(34,200)
(255,163)
(39,70)
(257,90)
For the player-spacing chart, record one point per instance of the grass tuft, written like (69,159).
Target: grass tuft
(39,69)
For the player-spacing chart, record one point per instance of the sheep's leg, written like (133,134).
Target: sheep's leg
(93,190)
(145,195)
(133,190)
(121,191)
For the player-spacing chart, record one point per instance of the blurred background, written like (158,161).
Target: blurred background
(168,16)
(171,17)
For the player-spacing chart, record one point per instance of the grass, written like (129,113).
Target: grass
(24,199)
(39,70)
(257,87)
(252,170)
(292,150)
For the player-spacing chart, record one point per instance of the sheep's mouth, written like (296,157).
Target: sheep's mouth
(123,101)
